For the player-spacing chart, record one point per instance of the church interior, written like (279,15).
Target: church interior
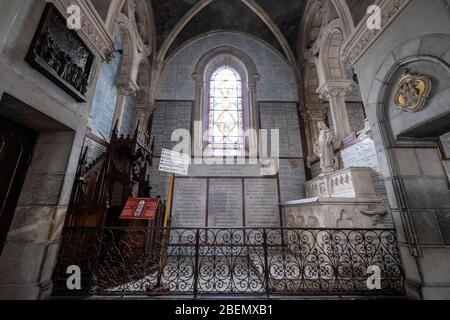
(199,148)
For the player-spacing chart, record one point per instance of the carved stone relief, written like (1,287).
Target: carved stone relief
(413,92)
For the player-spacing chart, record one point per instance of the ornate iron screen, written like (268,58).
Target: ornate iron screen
(117,261)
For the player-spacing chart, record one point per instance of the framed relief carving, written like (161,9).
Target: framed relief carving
(60,54)
(412,92)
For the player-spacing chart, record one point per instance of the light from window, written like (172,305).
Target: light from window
(225,112)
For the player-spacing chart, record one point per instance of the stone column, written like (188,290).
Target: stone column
(142,114)
(197,140)
(253,122)
(30,253)
(335,93)
(124,92)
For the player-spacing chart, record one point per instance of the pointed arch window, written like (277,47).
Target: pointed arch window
(226,118)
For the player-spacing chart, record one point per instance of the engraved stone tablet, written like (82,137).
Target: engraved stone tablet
(222,170)
(261,203)
(225,209)
(189,203)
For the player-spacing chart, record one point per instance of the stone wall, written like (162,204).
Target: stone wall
(356,117)
(105,98)
(129,116)
(445,141)
(168,116)
(284,117)
(416,183)
(363,154)
(277,82)
(28,258)
(277,88)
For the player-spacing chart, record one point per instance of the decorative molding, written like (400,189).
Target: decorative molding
(127,87)
(363,38)
(93,30)
(334,89)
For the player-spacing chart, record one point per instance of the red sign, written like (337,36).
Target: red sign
(140,209)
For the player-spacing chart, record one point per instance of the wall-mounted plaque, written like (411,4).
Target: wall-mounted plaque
(412,92)
(60,54)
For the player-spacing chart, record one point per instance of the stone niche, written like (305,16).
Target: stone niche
(342,200)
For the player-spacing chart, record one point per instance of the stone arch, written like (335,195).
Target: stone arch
(126,80)
(250,65)
(114,12)
(332,65)
(139,15)
(391,139)
(315,109)
(345,16)
(315,19)
(194,10)
(312,82)
(312,27)
(142,19)
(143,82)
(377,97)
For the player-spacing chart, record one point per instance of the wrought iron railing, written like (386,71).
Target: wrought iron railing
(252,261)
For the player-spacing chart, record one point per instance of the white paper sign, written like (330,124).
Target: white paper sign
(174,162)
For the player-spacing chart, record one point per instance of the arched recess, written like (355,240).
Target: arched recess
(144,104)
(203,70)
(332,64)
(312,82)
(140,14)
(143,82)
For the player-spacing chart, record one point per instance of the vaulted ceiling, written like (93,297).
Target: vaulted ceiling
(232,15)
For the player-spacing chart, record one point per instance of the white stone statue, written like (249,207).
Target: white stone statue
(324,149)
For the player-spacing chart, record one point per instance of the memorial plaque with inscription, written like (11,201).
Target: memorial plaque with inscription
(220,170)
(261,203)
(189,203)
(225,208)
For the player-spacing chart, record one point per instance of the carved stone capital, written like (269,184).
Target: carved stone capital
(316,113)
(93,30)
(334,89)
(127,88)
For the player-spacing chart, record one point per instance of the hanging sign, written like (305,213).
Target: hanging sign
(140,209)
(174,162)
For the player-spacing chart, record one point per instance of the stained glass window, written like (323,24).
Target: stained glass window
(225,112)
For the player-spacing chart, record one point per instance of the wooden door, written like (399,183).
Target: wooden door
(16,148)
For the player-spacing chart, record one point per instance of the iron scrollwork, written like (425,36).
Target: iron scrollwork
(272,261)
